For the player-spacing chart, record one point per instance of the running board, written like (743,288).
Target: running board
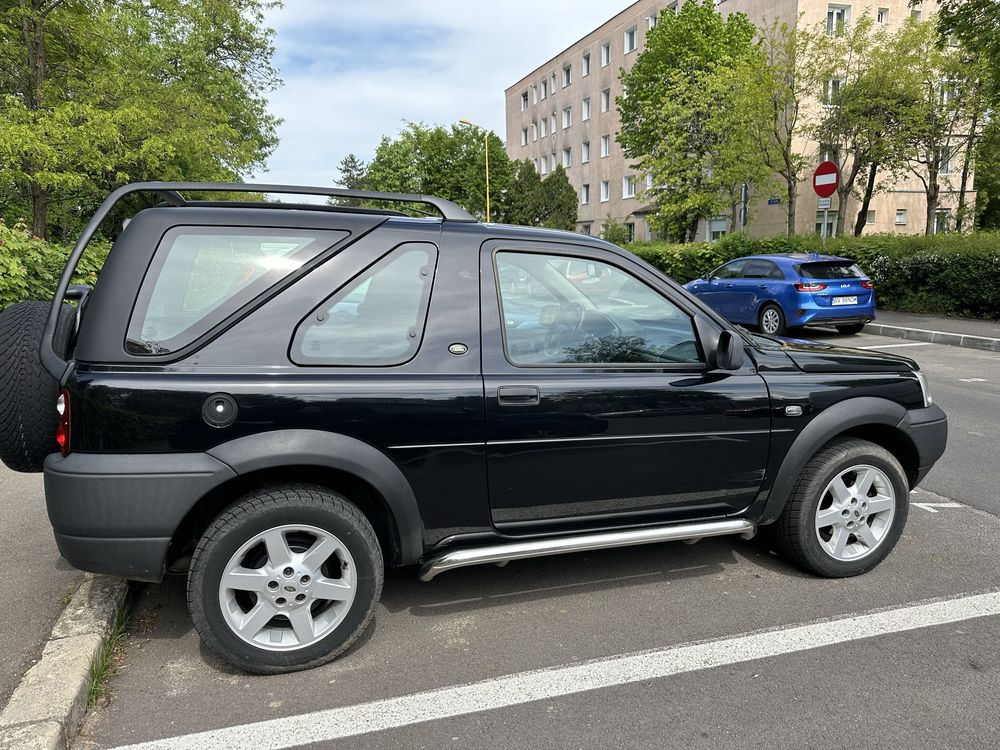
(504,553)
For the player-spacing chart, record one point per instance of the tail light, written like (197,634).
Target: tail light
(867,284)
(810,286)
(62,428)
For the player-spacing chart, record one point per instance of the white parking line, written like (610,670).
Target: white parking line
(896,346)
(542,684)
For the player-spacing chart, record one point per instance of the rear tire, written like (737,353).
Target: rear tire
(851,329)
(847,510)
(28,393)
(771,320)
(306,572)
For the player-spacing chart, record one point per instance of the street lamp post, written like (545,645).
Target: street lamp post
(486,156)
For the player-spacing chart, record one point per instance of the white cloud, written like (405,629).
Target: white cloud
(354,71)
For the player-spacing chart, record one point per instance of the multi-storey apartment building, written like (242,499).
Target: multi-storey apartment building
(564,112)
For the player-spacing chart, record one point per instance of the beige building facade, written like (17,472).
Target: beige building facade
(564,112)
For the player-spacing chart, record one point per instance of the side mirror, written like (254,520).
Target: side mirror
(729,353)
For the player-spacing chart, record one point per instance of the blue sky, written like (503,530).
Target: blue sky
(354,71)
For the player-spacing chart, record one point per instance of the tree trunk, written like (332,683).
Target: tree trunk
(933,191)
(859,225)
(843,194)
(790,197)
(970,145)
(33,31)
(39,210)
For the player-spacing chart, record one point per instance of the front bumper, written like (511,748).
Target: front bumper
(928,430)
(116,514)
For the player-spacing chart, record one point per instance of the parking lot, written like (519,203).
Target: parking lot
(714,644)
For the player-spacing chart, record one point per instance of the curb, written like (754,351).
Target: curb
(46,708)
(965,340)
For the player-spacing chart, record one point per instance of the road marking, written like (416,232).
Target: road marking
(896,346)
(544,684)
(972,380)
(932,507)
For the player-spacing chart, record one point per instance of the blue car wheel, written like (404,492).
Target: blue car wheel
(771,320)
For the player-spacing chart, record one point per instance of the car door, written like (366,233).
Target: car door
(600,409)
(761,280)
(717,288)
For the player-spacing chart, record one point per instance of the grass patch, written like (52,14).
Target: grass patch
(105,664)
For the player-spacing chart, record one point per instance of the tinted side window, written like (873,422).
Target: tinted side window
(377,318)
(732,270)
(762,269)
(201,275)
(565,310)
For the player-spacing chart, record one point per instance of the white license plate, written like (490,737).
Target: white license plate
(845,300)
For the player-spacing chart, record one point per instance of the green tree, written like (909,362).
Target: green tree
(976,23)
(95,94)
(522,203)
(448,163)
(988,178)
(353,173)
(672,130)
(559,201)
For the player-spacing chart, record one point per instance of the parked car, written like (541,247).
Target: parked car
(782,291)
(280,401)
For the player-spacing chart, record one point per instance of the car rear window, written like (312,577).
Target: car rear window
(831,270)
(201,275)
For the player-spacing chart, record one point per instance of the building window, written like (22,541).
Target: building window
(545,126)
(829,152)
(631,39)
(831,92)
(585,65)
(585,229)
(831,222)
(649,182)
(605,54)
(567,117)
(567,75)
(605,145)
(534,94)
(567,157)
(524,136)
(870,217)
(605,100)
(524,100)
(585,152)
(585,109)
(716,228)
(882,16)
(545,88)
(900,217)
(534,131)
(552,87)
(552,123)
(837,19)
(650,22)
(545,165)
(942,220)
(944,165)
(628,186)
(585,193)
(672,7)
(605,191)
(916,15)
(630,231)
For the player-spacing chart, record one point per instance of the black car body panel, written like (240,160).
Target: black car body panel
(456,445)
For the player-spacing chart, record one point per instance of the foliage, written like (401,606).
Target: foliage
(30,267)
(614,232)
(947,274)
(353,173)
(682,111)
(96,94)
(559,201)
(976,23)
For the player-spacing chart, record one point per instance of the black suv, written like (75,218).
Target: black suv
(282,399)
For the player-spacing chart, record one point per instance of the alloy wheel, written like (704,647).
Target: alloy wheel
(855,512)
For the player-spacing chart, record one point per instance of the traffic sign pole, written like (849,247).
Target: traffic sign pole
(825,181)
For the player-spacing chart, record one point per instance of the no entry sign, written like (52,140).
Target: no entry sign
(825,179)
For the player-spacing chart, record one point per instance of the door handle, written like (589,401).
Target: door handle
(762,286)
(518,395)
(729,286)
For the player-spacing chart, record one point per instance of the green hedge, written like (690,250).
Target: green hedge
(30,268)
(945,274)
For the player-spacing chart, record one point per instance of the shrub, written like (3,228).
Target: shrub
(30,267)
(947,274)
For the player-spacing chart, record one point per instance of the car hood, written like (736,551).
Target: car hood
(815,356)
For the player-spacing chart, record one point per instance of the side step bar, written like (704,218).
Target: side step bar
(504,553)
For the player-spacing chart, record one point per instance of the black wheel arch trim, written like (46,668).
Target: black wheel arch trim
(270,450)
(828,424)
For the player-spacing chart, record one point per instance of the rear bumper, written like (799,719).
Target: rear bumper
(928,430)
(116,514)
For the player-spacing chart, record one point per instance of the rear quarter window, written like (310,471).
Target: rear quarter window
(200,275)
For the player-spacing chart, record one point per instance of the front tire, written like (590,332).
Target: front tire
(771,320)
(285,579)
(851,329)
(847,510)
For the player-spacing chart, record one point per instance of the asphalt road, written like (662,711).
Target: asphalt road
(878,675)
(35,577)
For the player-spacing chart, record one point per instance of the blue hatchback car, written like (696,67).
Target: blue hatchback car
(778,292)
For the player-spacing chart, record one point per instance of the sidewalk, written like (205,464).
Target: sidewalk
(965,332)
